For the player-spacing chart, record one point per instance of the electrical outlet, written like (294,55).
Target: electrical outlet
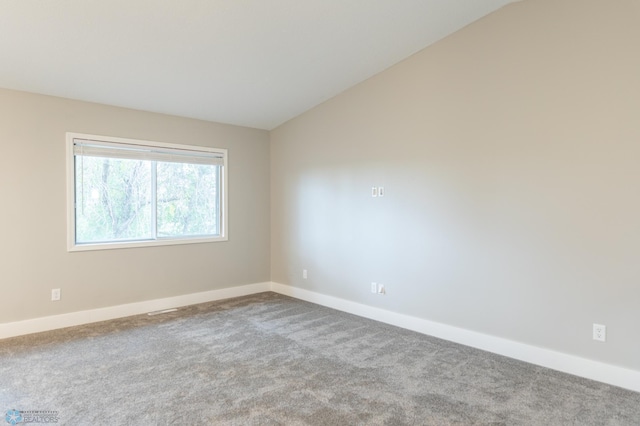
(600,332)
(304,274)
(374,288)
(381,191)
(55,294)
(374,191)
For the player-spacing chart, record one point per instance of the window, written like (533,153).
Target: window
(130,193)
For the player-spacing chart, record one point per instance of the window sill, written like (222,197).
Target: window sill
(73,247)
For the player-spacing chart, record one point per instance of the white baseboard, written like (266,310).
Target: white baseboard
(53,322)
(594,370)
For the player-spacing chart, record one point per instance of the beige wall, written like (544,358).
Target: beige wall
(33,255)
(510,154)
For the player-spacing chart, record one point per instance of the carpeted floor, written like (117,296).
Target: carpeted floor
(267,359)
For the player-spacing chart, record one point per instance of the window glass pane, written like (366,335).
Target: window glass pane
(113,199)
(188,197)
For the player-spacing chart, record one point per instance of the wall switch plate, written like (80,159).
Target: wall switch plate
(381,191)
(304,274)
(55,294)
(381,289)
(374,288)
(600,332)
(374,191)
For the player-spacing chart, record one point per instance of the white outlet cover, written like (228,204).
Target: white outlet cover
(304,274)
(374,288)
(600,332)
(374,191)
(381,191)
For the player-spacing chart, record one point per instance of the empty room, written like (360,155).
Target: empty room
(398,212)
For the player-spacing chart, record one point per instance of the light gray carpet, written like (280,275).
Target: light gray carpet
(272,360)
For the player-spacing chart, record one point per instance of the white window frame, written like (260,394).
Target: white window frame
(71,196)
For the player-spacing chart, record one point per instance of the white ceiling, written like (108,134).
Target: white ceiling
(255,63)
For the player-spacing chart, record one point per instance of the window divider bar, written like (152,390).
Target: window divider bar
(154,199)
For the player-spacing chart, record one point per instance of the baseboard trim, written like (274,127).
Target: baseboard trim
(53,322)
(571,364)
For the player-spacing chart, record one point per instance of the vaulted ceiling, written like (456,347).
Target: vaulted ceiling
(255,63)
